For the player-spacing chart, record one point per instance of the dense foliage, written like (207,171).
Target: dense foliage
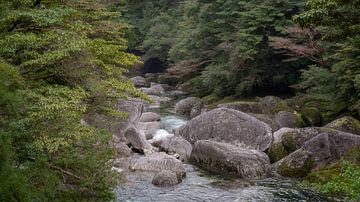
(223,47)
(58,61)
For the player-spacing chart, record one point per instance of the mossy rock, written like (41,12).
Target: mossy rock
(297,165)
(353,156)
(282,106)
(346,124)
(288,142)
(277,152)
(312,116)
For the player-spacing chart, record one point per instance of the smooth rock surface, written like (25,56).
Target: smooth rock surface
(157,162)
(226,159)
(230,126)
(137,140)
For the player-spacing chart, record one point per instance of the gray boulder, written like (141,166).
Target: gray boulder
(177,145)
(139,81)
(247,107)
(226,159)
(230,126)
(325,148)
(328,147)
(165,178)
(346,124)
(190,106)
(268,119)
(149,117)
(156,162)
(137,140)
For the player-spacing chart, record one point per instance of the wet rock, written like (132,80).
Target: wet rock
(165,178)
(149,117)
(137,140)
(158,162)
(346,124)
(298,164)
(247,107)
(159,136)
(140,81)
(190,106)
(289,119)
(226,159)
(177,145)
(230,126)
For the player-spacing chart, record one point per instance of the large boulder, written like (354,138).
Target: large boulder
(247,107)
(136,139)
(165,178)
(190,106)
(328,147)
(228,125)
(139,81)
(156,162)
(149,117)
(323,149)
(226,159)
(177,145)
(346,124)
(287,140)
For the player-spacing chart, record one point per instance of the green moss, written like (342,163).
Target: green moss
(277,152)
(312,116)
(282,106)
(296,171)
(288,140)
(341,178)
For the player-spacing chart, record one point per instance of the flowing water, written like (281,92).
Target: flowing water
(201,186)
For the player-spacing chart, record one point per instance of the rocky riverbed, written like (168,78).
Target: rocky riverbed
(179,150)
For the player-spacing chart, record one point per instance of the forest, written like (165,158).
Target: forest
(65,63)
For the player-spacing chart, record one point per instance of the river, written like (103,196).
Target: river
(201,186)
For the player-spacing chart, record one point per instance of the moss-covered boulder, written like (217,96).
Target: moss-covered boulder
(277,150)
(247,107)
(346,124)
(312,116)
(298,164)
(269,103)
